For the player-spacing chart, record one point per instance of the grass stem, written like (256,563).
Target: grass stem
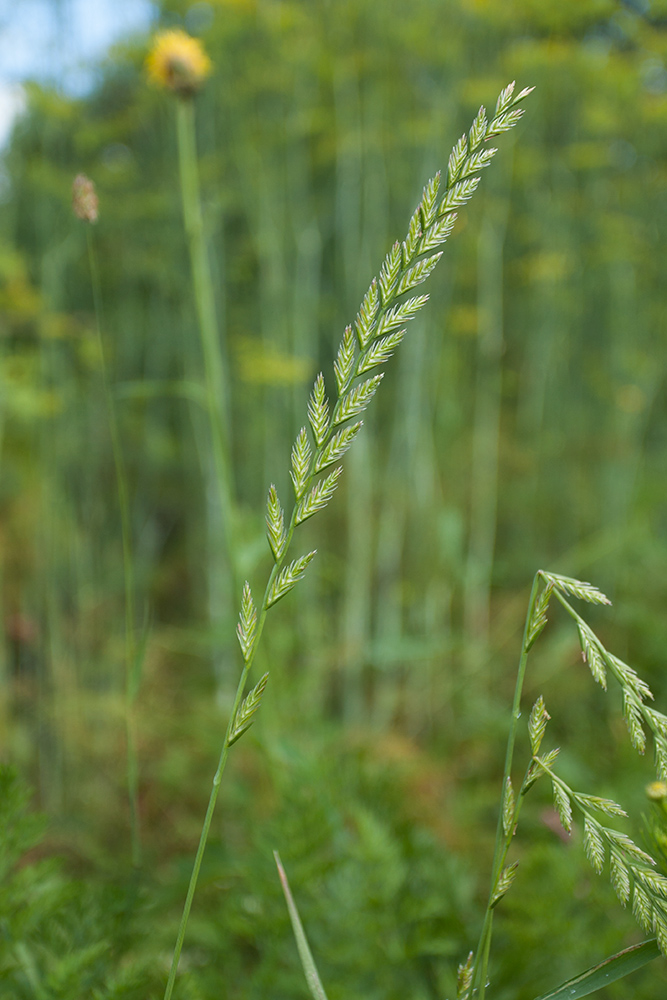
(131,664)
(503,839)
(216,388)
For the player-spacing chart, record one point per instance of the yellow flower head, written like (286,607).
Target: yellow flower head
(178,62)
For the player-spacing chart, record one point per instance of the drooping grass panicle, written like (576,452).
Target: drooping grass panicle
(635,691)
(577,588)
(631,869)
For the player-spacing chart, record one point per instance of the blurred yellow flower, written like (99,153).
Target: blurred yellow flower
(657,791)
(177,62)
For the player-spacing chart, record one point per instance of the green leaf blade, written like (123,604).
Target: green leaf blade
(612,969)
(305,954)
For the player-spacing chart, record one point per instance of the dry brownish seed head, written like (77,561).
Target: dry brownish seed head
(84,198)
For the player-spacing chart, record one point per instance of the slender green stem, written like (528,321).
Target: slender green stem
(216,389)
(503,840)
(216,782)
(223,760)
(128,567)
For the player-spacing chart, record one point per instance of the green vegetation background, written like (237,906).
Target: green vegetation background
(521,425)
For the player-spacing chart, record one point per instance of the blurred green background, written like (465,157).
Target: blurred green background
(521,425)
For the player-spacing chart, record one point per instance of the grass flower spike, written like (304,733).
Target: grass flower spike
(178,62)
(84,198)
(378,329)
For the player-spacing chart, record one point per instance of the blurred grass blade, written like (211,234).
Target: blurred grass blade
(310,971)
(137,666)
(606,972)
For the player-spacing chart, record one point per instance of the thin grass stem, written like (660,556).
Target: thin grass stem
(128,566)
(216,388)
(503,839)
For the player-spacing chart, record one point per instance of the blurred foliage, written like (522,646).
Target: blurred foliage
(523,425)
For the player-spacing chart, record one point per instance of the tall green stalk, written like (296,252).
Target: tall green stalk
(216,387)
(131,664)
(503,837)
(378,330)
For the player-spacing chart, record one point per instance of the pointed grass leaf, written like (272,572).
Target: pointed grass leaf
(577,588)
(302,456)
(318,410)
(139,659)
(612,969)
(247,626)
(275,524)
(305,954)
(243,719)
(319,496)
(288,577)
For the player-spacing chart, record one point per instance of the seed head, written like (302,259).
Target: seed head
(84,198)
(177,62)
